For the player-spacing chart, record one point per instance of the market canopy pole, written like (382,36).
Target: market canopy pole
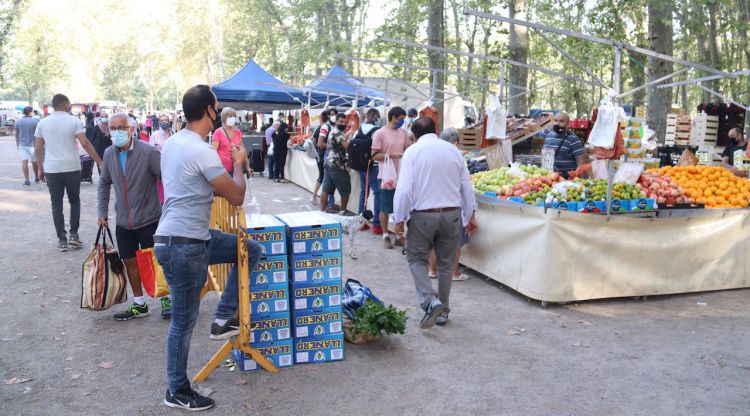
(732,75)
(722,96)
(488,58)
(647,52)
(656,81)
(573,60)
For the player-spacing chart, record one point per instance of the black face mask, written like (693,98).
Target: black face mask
(341,127)
(213,120)
(558,129)
(733,140)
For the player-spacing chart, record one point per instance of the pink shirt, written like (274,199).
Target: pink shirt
(389,140)
(225,147)
(148,121)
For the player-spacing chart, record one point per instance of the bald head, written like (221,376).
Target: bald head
(562,119)
(422,126)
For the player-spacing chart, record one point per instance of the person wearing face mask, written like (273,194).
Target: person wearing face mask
(100,137)
(58,160)
(227,136)
(337,176)
(569,150)
(389,140)
(164,132)
(184,246)
(736,144)
(133,167)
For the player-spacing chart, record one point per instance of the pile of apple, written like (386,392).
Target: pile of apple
(663,189)
(533,188)
(505,181)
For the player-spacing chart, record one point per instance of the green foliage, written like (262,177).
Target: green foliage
(373,319)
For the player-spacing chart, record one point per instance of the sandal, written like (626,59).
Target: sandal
(461,277)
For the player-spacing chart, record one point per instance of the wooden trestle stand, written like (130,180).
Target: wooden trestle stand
(231,219)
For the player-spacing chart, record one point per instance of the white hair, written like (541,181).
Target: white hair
(124,115)
(450,135)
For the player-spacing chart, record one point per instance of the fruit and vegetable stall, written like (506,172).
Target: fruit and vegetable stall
(675,230)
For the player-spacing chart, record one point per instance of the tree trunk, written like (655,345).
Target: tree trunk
(713,38)
(518,50)
(436,35)
(455,5)
(660,39)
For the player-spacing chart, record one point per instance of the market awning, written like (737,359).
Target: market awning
(254,88)
(342,89)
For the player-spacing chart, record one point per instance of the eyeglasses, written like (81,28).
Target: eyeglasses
(121,128)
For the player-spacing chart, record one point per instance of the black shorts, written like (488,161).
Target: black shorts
(128,241)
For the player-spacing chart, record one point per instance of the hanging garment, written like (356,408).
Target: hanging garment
(497,119)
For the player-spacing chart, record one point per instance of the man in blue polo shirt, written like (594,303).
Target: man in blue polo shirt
(569,150)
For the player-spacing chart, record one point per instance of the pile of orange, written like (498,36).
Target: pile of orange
(713,186)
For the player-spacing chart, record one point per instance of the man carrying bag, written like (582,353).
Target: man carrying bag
(133,166)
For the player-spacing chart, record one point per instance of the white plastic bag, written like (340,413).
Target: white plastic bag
(388,175)
(310,149)
(628,173)
(516,171)
(496,119)
(270,149)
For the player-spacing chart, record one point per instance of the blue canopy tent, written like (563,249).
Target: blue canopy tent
(341,89)
(254,88)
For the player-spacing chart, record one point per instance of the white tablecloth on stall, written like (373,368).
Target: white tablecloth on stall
(565,256)
(303,171)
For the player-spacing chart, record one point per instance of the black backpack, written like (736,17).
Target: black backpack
(360,150)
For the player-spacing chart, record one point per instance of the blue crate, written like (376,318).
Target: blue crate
(319,349)
(311,296)
(273,299)
(311,268)
(270,329)
(279,354)
(311,323)
(311,232)
(270,271)
(267,231)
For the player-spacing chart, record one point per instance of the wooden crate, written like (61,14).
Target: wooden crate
(470,138)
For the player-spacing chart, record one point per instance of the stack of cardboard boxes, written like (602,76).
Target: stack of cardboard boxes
(315,286)
(269,295)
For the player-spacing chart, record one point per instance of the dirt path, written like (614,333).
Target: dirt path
(500,354)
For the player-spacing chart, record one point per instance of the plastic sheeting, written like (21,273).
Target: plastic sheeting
(561,256)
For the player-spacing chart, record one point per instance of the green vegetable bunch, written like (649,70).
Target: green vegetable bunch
(373,318)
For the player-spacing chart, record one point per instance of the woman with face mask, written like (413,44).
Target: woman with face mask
(225,136)
(162,132)
(100,136)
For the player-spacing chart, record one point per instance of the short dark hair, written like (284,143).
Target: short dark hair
(422,126)
(396,112)
(412,112)
(324,117)
(59,100)
(27,110)
(332,109)
(270,120)
(196,100)
(373,112)
(281,116)
(340,116)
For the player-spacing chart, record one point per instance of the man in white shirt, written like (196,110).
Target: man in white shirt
(434,194)
(58,161)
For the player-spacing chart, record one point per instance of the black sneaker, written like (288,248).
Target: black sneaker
(230,329)
(62,246)
(133,311)
(166,307)
(74,241)
(26,183)
(188,399)
(434,309)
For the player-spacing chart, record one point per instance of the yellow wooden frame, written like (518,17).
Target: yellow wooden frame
(231,219)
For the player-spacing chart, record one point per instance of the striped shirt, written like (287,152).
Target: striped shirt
(567,147)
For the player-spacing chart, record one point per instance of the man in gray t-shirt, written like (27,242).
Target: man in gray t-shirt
(192,174)
(25,128)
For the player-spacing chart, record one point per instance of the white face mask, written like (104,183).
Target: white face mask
(231,121)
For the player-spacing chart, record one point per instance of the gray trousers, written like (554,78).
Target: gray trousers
(428,230)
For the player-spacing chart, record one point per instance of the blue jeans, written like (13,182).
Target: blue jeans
(372,182)
(271,173)
(185,269)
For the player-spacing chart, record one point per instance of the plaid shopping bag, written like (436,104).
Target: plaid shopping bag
(103,282)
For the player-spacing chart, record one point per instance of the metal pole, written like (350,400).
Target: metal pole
(709,78)
(648,84)
(385,101)
(571,59)
(501,86)
(616,88)
(724,97)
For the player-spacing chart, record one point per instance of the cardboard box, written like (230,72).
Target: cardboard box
(273,299)
(643,204)
(319,350)
(270,271)
(280,354)
(309,323)
(267,231)
(312,232)
(318,269)
(592,206)
(270,329)
(315,297)
(619,205)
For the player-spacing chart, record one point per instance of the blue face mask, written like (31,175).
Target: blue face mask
(400,123)
(119,138)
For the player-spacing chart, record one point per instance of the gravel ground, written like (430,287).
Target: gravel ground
(499,354)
